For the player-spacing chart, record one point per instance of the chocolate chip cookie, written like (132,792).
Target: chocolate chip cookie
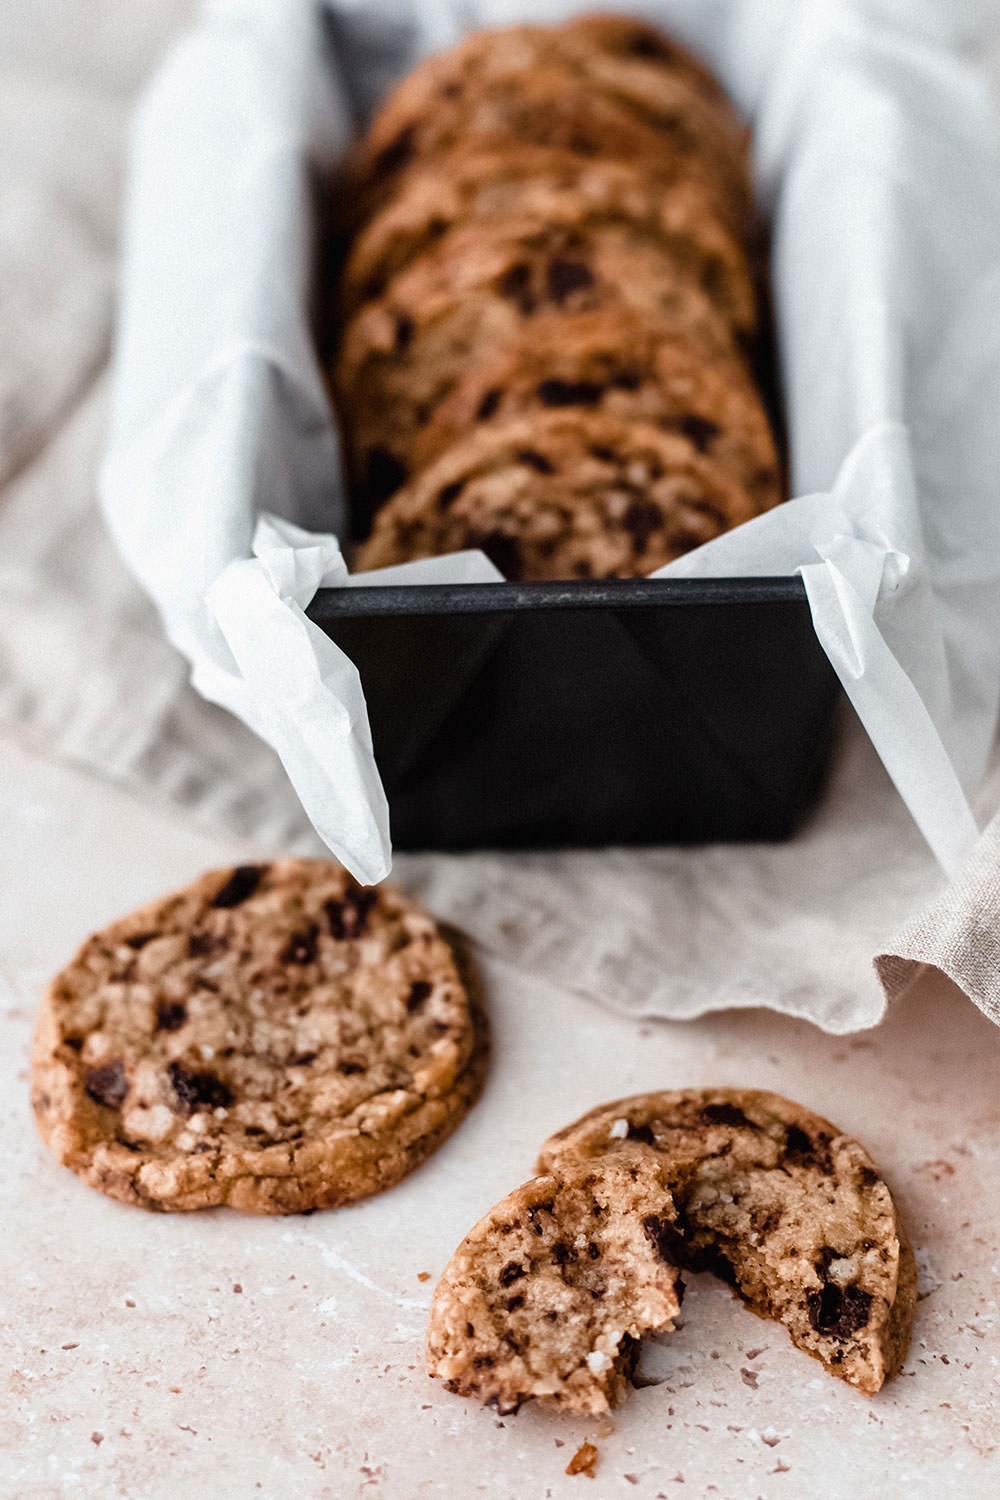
(550,86)
(791,1212)
(561,494)
(272,1037)
(627,367)
(669,205)
(474,293)
(548,1296)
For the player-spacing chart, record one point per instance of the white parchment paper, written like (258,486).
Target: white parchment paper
(877,153)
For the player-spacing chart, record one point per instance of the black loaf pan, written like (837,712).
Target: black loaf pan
(627,711)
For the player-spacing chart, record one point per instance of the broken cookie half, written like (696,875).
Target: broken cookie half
(788,1210)
(548,1296)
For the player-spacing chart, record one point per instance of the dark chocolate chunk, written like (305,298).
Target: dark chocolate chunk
(569,392)
(398,153)
(644,44)
(420,990)
(197,1090)
(141,939)
(839,1310)
(404,331)
(73,1042)
(384,473)
(563,1253)
(449,493)
(801,1149)
(304,1059)
(626,380)
(642,1133)
(602,454)
(513,1303)
(641,519)
(593,1250)
(515,285)
(701,431)
(170,1015)
(348,918)
(347,1066)
(567,276)
(482,1361)
(240,886)
(536,461)
(489,404)
(668,1244)
(202,943)
(724,1114)
(301,946)
(107,1085)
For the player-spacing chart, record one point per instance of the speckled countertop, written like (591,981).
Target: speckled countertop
(157,1358)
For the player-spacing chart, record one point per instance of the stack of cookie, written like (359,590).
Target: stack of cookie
(548,314)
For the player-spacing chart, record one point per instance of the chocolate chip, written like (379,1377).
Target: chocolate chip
(170,1015)
(347,1067)
(398,153)
(567,276)
(437,227)
(602,454)
(534,1209)
(513,1303)
(140,940)
(642,44)
(626,380)
(501,549)
(642,1133)
(839,1310)
(563,1253)
(802,1150)
(668,1245)
(304,1059)
(76,1043)
(202,943)
(449,493)
(404,331)
(569,392)
(196,1090)
(240,886)
(419,992)
(867,1178)
(107,1085)
(593,1251)
(348,918)
(301,946)
(383,473)
(640,520)
(536,461)
(515,285)
(700,430)
(489,404)
(723,1114)
(482,1361)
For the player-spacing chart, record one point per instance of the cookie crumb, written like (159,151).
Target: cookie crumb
(97,1438)
(423,1275)
(584,1461)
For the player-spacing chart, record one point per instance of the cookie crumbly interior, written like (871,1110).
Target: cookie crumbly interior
(548,1296)
(789,1211)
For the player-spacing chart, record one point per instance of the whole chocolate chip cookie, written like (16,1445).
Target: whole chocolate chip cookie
(271,1037)
(624,366)
(473,294)
(668,205)
(791,1212)
(561,494)
(550,86)
(548,1296)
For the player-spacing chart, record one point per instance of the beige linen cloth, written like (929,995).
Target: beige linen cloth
(87,676)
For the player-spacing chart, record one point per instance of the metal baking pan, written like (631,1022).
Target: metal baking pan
(623,711)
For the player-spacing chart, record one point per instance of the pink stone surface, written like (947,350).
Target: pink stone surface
(156,1357)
